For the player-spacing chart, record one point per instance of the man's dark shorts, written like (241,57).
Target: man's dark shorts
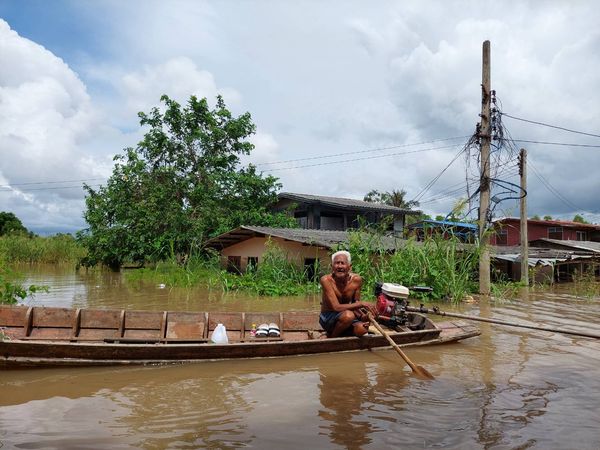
(328,320)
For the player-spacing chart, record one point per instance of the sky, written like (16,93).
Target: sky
(346,97)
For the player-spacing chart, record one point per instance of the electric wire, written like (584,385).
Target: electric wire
(550,126)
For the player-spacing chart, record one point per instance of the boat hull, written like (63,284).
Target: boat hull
(50,346)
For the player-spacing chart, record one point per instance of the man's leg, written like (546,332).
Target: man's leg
(343,323)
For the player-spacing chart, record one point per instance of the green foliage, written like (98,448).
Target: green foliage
(392,198)
(548,218)
(585,284)
(446,265)
(10,224)
(536,217)
(57,249)
(579,219)
(181,185)
(275,275)
(11,292)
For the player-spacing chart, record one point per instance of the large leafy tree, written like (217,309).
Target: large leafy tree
(11,224)
(182,184)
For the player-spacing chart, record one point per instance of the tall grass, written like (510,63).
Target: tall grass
(275,275)
(445,264)
(58,249)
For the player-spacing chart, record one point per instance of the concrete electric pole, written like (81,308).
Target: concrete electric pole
(524,241)
(485,136)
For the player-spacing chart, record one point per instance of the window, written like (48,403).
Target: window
(234,264)
(302,219)
(502,237)
(555,233)
(252,263)
(582,236)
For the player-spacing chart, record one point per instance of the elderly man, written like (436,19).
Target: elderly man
(341,313)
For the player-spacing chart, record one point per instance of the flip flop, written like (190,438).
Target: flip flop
(274,330)
(262,330)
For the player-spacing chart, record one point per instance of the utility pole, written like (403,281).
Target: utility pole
(524,240)
(485,136)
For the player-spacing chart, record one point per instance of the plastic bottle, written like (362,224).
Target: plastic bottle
(253,330)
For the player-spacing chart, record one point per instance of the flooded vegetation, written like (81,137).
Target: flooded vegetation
(509,388)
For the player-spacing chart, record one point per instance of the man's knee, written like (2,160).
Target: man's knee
(346,317)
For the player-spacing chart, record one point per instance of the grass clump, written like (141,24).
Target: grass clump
(57,249)
(445,264)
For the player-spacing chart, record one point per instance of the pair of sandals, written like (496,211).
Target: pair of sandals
(270,330)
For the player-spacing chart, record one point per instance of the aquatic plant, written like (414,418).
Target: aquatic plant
(11,291)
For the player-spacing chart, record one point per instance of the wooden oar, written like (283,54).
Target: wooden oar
(418,370)
(435,310)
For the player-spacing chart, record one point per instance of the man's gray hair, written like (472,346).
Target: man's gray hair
(344,253)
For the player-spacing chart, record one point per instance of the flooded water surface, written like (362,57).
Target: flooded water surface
(510,388)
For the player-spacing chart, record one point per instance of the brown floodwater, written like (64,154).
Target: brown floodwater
(510,388)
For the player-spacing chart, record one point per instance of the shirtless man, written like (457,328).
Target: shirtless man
(340,305)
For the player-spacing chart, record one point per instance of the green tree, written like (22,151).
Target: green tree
(181,185)
(579,219)
(392,198)
(536,217)
(547,217)
(10,224)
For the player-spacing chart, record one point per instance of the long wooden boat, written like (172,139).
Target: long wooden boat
(49,336)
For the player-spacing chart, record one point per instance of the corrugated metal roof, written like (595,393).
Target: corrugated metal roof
(551,223)
(321,238)
(576,245)
(344,203)
(445,223)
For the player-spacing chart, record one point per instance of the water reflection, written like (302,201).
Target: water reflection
(510,388)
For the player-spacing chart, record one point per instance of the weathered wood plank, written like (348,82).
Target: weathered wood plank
(53,317)
(142,320)
(13,316)
(98,318)
(300,321)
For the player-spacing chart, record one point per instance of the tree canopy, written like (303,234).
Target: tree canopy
(181,185)
(392,198)
(579,219)
(11,224)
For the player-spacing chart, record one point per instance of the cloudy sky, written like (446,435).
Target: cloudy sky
(347,97)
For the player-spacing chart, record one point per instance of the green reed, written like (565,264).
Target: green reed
(57,249)
(445,264)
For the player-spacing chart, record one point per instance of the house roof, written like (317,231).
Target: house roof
(552,223)
(345,203)
(320,238)
(588,246)
(444,223)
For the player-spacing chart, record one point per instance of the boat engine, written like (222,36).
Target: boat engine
(392,300)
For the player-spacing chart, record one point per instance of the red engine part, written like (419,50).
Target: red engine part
(385,307)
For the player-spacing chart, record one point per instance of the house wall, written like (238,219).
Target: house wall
(256,247)
(534,231)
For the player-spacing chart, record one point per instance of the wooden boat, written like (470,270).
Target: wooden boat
(49,336)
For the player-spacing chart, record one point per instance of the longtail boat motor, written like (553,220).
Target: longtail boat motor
(391,307)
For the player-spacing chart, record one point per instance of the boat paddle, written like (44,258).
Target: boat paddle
(418,370)
(435,310)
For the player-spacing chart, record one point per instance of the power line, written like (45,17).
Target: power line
(46,189)
(48,182)
(556,143)
(361,151)
(360,159)
(550,126)
(552,189)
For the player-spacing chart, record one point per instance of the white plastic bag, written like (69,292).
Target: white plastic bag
(219,335)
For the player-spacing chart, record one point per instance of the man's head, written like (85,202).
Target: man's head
(340,264)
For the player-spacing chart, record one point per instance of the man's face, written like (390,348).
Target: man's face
(341,268)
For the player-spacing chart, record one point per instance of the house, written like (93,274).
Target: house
(465,232)
(508,231)
(246,245)
(318,212)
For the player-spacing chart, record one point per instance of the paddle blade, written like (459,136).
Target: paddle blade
(423,373)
